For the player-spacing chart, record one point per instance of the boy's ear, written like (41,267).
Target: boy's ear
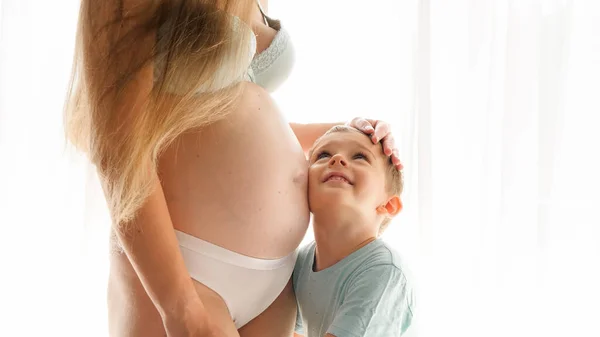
(392,207)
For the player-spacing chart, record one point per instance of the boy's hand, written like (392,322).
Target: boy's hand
(379,131)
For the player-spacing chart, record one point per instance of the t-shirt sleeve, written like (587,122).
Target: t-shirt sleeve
(378,302)
(300,262)
(299,329)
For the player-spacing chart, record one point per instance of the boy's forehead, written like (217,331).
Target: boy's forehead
(349,137)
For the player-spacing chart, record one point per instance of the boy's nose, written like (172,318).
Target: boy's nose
(337,160)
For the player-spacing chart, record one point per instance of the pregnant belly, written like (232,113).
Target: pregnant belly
(240,183)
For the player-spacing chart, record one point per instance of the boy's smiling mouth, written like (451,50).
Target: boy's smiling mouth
(337,176)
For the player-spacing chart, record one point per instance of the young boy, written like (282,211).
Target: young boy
(348,282)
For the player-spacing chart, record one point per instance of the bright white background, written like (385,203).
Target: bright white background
(495,108)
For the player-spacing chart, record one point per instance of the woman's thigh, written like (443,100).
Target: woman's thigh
(278,320)
(217,309)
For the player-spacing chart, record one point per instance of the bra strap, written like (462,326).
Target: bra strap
(262,12)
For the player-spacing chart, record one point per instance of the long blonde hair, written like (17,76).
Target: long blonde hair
(195,59)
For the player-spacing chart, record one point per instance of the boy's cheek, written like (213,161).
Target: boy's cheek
(313,174)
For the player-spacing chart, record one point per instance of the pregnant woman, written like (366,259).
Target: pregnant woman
(205,181)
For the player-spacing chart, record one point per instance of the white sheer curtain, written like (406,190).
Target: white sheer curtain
(507,179)
(494,104)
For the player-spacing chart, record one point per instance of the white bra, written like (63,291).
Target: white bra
(269,69)
(272,66)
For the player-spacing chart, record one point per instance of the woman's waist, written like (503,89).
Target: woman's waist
(241,201)
(263,222)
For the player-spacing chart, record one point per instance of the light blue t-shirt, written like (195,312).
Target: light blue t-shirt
(365,294)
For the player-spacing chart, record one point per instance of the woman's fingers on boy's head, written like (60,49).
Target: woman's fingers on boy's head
(388,144)
(382,130)
(396,159)
(362,124)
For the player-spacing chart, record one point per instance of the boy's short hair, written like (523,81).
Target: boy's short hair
(395,180)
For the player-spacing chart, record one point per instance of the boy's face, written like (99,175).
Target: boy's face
(348,170)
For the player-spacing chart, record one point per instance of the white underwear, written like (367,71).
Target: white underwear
(247,285)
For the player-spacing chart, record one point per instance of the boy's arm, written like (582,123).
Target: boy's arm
(378,302)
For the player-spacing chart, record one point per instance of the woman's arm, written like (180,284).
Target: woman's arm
(149,239)
(307,134)
(153,250)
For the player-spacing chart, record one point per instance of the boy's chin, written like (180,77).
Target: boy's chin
(331,202)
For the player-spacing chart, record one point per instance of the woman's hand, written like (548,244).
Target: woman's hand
(379,131)
(190,325)
(204,317)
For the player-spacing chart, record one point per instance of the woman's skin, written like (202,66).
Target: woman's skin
(239,183)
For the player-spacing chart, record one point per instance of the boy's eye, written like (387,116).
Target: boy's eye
(323,154)
(360,155)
